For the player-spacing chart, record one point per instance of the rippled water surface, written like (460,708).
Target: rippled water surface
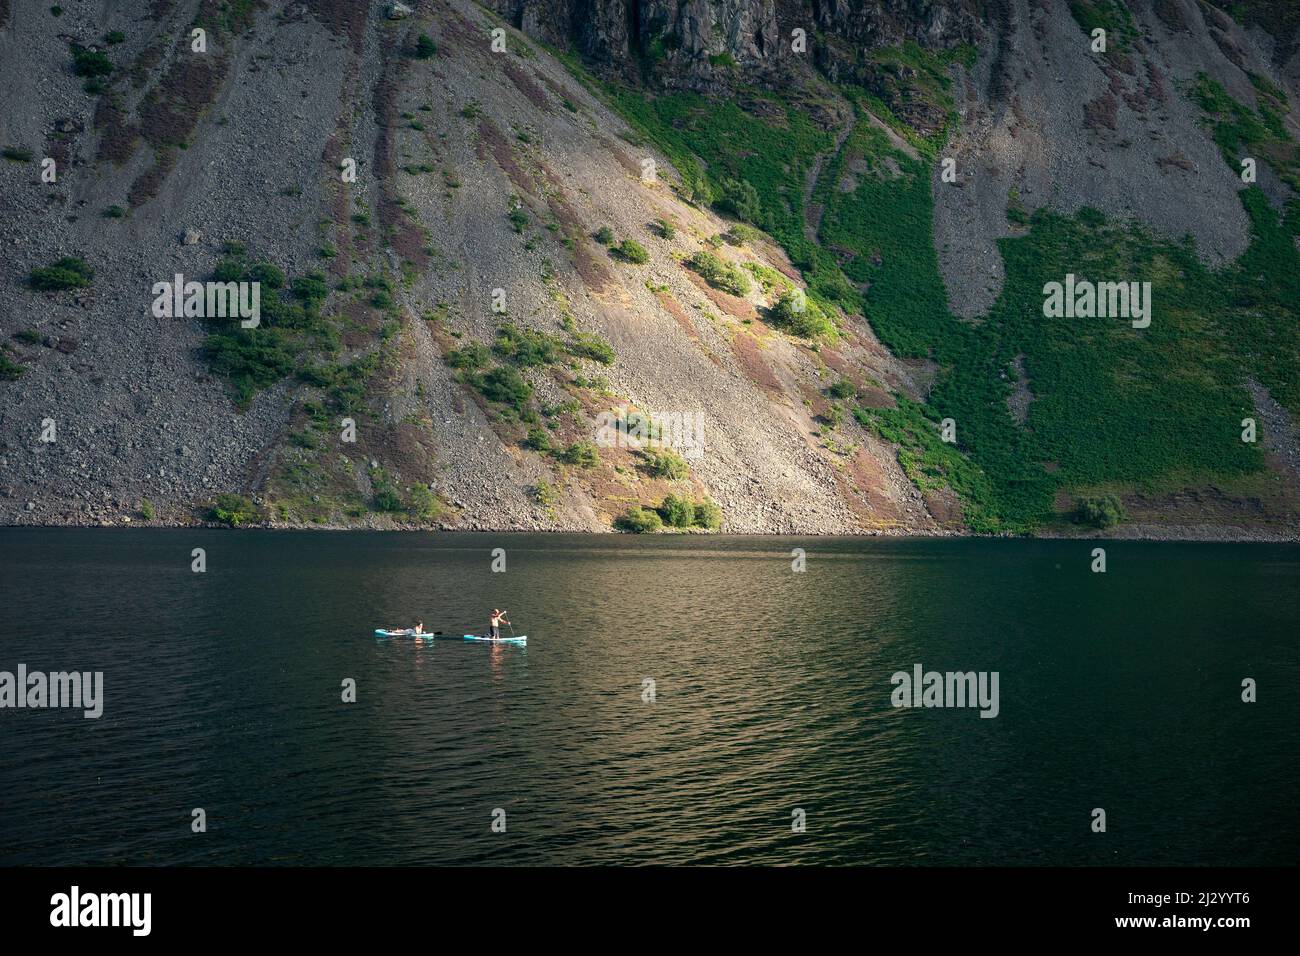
(222,691)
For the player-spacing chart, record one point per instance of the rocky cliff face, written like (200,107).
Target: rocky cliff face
(706,43)
(710,44)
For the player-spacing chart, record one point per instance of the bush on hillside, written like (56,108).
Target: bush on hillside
(67,273)
(629,250)
(1099,511)
(639,521)
(799,315)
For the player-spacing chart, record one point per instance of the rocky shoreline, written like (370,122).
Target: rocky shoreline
(1205,533)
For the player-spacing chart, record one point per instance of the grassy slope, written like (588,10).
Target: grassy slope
(1114,407)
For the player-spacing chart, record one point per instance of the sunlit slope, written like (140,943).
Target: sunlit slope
(442,335)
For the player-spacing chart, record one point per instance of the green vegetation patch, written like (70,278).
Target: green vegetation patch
(1099,511)
(1109,15)
(883,231)
(756,167)
(666,463)
(294,337)
(67,273)
(234,510)
(588,345)
(90,63)
(1107,404)
(719,274)
(639,521)
(504,385)
(797,314)
(629,250)
(1242,132)
(9,370)
(911,80)
(675,512)
(527,348)
(932,464)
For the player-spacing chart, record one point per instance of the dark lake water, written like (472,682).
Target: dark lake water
(222,690)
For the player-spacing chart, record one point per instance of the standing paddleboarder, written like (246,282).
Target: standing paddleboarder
(494,623)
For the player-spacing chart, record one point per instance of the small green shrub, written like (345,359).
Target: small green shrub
(472,356)
(67,273)
(677,512)
(114,37)
(18,154)
(740,234)
(581,453)
(147,510)
(719,274)
(708,515)
(504,384)
(233,510)
(546,495)
(1099,511)
(525,347)
(799,315)
(639,521)
(90,63)
(665,229)
(604,235)
(841,389)
(740,199)
(425,48)
(422,503)
(114,212)
(666,464)
(268,275)
(229,269)
(310,288)
(539,439)
(9,371)
(629,250)
(249,362)
(588,345)
(387,499)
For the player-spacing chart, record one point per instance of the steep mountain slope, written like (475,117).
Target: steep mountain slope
(449,151)
(1139,144)
(529,251)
